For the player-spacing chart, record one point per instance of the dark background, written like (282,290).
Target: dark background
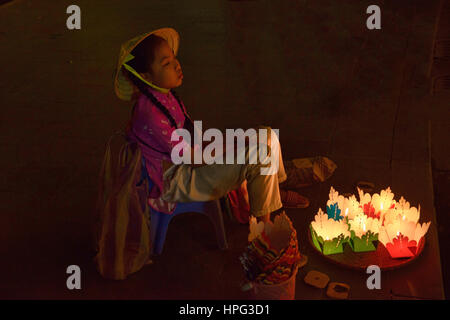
(374,101)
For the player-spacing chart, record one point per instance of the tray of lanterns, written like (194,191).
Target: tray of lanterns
(376,230)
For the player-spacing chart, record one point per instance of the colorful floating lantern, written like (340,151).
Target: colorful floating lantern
(402,238)
(364,231)
(402,211)
(360,224)
(328,234)
(350,207)
(333,210)
(376,206)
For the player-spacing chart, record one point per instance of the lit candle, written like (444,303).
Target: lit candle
(328,228)
(364,231)
(381,203)
(349,206)
(403,212)
(358,225)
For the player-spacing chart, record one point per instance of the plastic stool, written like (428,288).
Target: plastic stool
(159,222)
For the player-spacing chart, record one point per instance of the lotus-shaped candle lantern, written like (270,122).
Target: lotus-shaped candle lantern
(376,206)
(360,224)
(349,207)
(334,211)
(402,238)
(364,231)
(402,211)
(340,207)
(328,234)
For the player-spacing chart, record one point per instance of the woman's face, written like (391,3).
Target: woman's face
(166,69)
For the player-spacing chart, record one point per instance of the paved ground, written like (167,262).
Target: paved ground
(310,68)
(440,160)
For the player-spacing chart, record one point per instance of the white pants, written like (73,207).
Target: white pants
(183,183)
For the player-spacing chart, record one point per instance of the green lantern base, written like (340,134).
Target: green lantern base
(359,245)
(364,244)
(327,247)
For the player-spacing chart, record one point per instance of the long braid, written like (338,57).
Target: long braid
(143,89)
(178,100)
(188,124)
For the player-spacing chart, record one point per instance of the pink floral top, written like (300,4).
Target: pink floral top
(149,124)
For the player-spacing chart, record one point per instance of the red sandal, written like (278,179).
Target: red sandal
(292,199)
